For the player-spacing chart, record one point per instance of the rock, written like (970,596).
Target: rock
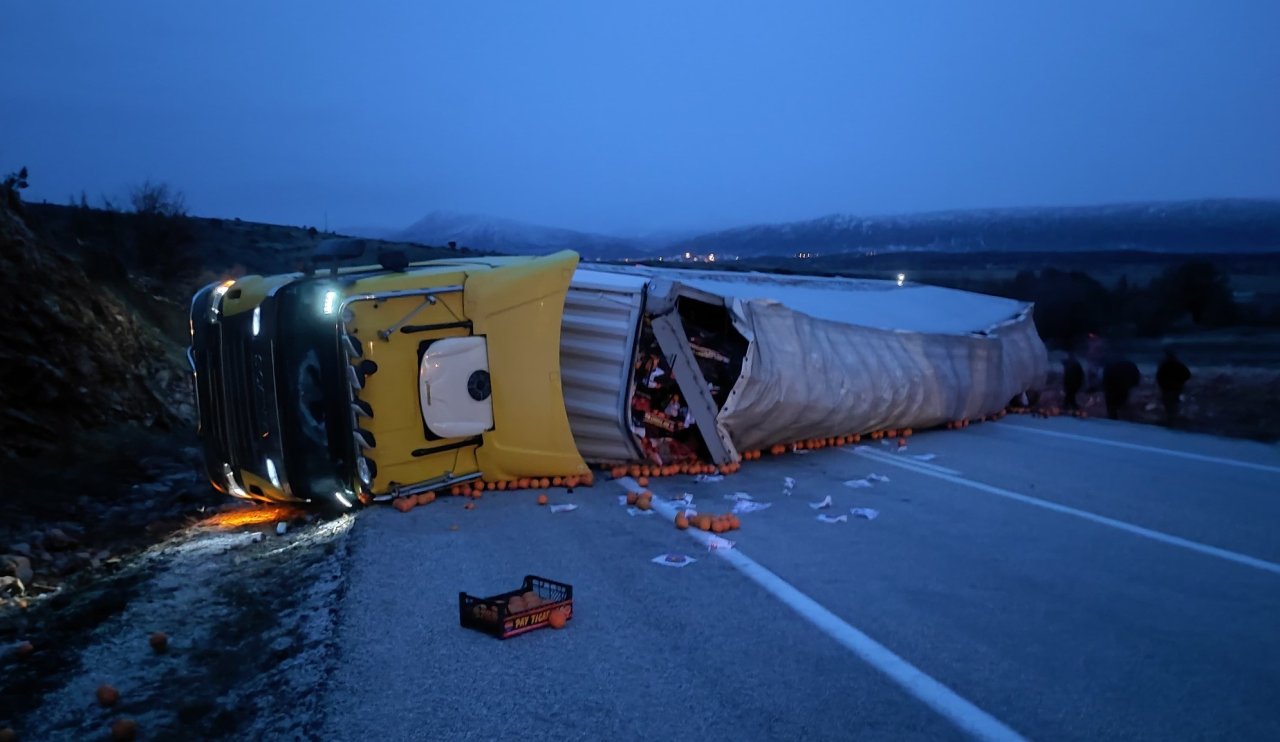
(281,527)
(18,566)
(57,539)
(21,549)
(11,586)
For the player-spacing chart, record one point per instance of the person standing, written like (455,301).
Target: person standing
(1072,381)
(1118,380)
(1172,376)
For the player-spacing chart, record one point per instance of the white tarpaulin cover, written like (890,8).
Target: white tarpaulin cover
(830,357)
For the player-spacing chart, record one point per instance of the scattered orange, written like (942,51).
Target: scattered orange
(557,619)
(426,498)
(718,526)
(902,442)
(542,499)
(682,520)
(704,522)
(632,497)
(404,504)
(159,642)
(643,481)
(544,483)
(107,696)
(645,501)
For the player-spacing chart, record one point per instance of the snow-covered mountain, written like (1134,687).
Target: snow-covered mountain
(1224,225)
(516,237)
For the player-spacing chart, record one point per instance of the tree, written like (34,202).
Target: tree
(14,182)
(157,199)
(162,233)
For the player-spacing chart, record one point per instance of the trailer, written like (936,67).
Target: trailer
(367,382)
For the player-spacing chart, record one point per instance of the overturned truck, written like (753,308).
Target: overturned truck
(365,382)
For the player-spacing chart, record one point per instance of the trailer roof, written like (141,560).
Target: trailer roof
(856,301)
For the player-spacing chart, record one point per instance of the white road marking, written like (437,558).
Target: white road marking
(891,458)
(1231,556)
(966,716)
(1148,449)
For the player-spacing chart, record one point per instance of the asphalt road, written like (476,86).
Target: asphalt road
(1051,579)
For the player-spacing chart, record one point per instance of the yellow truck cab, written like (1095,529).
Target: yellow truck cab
(377,381)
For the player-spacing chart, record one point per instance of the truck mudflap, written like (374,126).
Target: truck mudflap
(519,308)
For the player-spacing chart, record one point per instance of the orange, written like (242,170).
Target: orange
(556,481)
(515,604)
(404,504)
(632,497)
(718,526)
(544,483)
(124,730)
(902,442)
(682,521)
(645,501)
(571,482)
(558,619)
(159,642)
(906,433)
(542,499)
(107,696)
(643,481)
(704,523)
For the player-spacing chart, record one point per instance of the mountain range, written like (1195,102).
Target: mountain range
(1211,225)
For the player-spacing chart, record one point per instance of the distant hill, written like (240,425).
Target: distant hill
(508,236)
(1228,225)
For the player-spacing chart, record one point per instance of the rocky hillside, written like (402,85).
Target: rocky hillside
(73,354)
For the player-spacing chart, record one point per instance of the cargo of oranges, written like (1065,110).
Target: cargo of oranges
(404,504)
(542,499)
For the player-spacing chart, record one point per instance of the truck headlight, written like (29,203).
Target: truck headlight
(330,302)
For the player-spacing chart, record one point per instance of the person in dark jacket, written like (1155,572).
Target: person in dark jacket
(1118,379)
(1172,376)
(1072,381)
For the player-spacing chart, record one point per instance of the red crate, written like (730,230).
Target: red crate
(491,615)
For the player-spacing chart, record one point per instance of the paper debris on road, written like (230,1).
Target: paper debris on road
(566,507)
(877,477)
(673,560)
(709,478)
(858,483)
(821,504)
(867,513)
(715,542)
(885,442)
(749,506)
(801,451)
(739,496)
(833,518)
(638,511)
(622,499)
(788,482)
(924,457)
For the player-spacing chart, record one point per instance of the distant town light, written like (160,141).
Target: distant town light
(688,255)
(711,258)
(902,278)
